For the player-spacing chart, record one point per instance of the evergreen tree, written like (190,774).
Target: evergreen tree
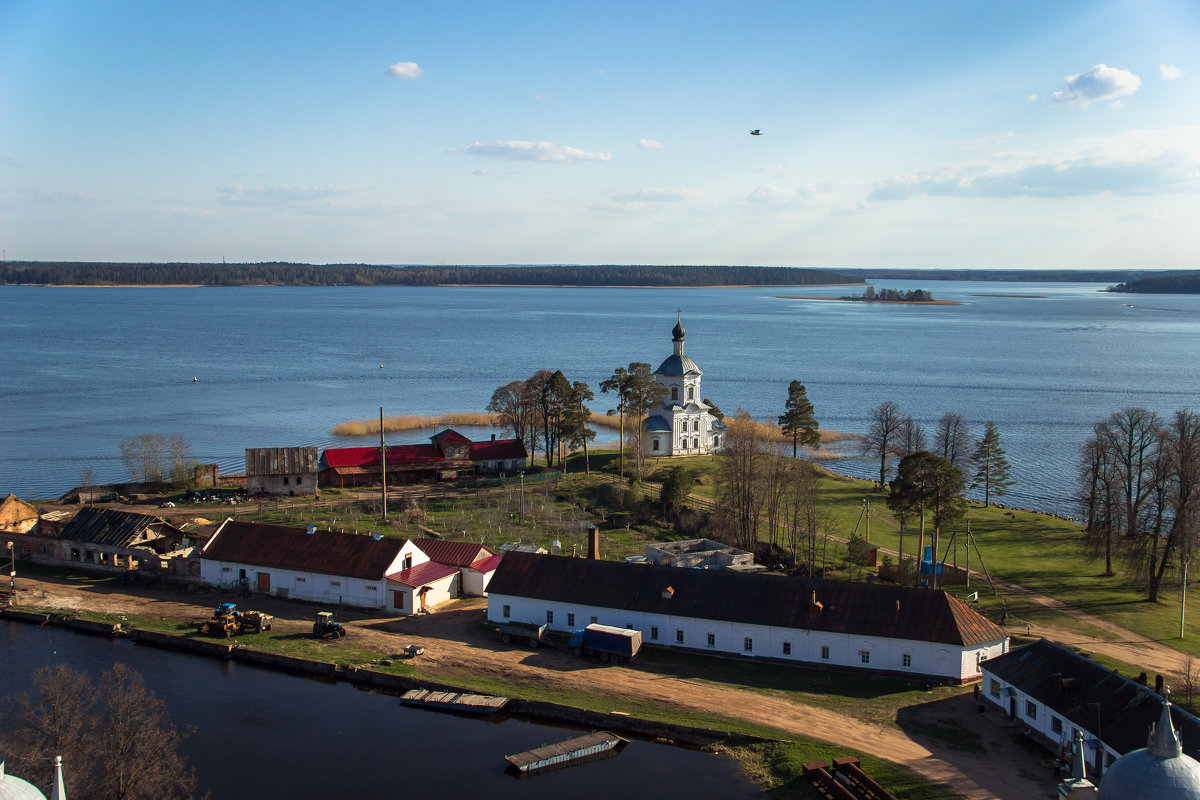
(992,468)
(799,421)
(927,484)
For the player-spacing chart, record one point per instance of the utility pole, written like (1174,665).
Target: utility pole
(383,463)
(867,512)
(1183,596)
(968,551)
(12,571)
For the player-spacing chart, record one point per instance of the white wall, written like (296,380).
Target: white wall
(925,658)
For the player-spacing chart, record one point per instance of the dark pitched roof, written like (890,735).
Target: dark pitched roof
(422,574)
(498,449)
(1071,685)
(288,547)
(397,455)
(108,526)
(280,460)
(449,435)
(456,554)
(851,608)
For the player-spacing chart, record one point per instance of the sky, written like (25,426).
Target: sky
(893,134)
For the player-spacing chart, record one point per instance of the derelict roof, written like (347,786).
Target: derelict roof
(288,547)
(1071,685)
(108,526)
(852,608)
(280,460)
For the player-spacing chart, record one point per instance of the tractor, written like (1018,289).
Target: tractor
(255,621)
(325,626)
(224,621)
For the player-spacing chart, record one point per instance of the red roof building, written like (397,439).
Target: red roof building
(449,455)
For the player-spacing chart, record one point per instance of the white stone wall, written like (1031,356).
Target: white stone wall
(814,647)
(282,484)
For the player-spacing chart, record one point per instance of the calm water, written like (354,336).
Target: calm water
(267,734)
(82,369)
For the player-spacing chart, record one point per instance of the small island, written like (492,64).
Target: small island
(872,295)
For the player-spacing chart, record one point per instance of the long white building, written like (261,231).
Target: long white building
(888,629)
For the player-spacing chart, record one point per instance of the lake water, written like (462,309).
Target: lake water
(260,733)
(83,368)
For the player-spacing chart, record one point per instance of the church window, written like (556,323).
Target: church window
(696,444)
(654,446)
(695,424)
(674,392)
(716,441)
(691,393)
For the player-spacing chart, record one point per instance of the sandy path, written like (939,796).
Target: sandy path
(456,642)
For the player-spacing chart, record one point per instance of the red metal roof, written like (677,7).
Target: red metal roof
(449,435)
(458,554)
(397,455)
(288,547)
(487,564)
(422,574)
(498,449)
(854,608)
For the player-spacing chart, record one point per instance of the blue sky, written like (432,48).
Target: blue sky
(939,134)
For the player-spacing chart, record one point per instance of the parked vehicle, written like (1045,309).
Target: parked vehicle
(325,626)
(607,642)
(413,650)
(531,632)
(255,621)
(223,622)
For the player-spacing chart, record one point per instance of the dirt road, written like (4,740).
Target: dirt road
(457,643)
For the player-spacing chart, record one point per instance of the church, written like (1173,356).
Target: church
(684,426)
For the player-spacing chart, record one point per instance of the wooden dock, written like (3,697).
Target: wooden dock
(455,701)
(600,744)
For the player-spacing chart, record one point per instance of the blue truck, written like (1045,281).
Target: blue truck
(606,642)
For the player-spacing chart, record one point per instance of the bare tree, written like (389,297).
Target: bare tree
(802,510)
(1098,500)
(1183,535)
(87,483)
(121,748)
(741,473)
(910,438)
(952,441)
(152,458)
(881,436)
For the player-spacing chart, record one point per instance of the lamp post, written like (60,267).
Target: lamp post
(1099,743)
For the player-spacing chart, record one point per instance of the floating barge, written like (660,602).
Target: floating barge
(591,747)
(455,701)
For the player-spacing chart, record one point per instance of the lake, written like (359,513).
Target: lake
(259,733)
(237,367)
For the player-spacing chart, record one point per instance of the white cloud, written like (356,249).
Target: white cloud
(62,198)
(1169,73)
(533,151)
(481,172)
(1142,162)
(650,144)
(1101,82)
(1032,98)
(655,196)
(404,70)
(987,141)
(772,196)
(300,198)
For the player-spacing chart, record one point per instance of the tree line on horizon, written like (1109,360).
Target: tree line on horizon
(82,273)
(1171,283)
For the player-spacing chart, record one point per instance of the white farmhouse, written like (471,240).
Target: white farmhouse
(685,425)
(888,629)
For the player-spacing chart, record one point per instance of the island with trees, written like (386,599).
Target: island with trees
(1172,283)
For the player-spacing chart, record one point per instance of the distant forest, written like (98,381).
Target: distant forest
(80,273)
(1171,283)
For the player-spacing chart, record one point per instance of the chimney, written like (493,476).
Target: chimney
(593,543)
(493,437)
(668,593)
(1142,677)
(1158,684)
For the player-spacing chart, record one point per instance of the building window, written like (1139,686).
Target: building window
(570,620)
(549,617)
(787,648)
(1055,724)
(628,626)
(1030,709)
(674,392)
(595,620)
(654,444)
(748,645)
(230,569)
(679,635)
(654,632)
(864,656)
(370,588)
(507,611)
(301,580)
(712,640)
(285,480)
(691,393)
(906,659)
(335,583)
(994,688)
(716,441)
(695,444)
(824,652)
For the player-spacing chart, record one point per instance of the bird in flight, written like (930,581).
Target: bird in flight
(756,132)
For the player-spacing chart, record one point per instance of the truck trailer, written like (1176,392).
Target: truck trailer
(607,642)
(531,632)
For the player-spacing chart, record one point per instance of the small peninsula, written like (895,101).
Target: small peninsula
(1180,283)
(872,295)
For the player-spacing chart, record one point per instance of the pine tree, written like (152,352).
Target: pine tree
(992,471)
(799,421)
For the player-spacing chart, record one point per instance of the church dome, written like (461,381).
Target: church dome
(13,788)
(677,331)
(1159,770)
(677,366)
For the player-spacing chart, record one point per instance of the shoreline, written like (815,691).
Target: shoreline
(416,286)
